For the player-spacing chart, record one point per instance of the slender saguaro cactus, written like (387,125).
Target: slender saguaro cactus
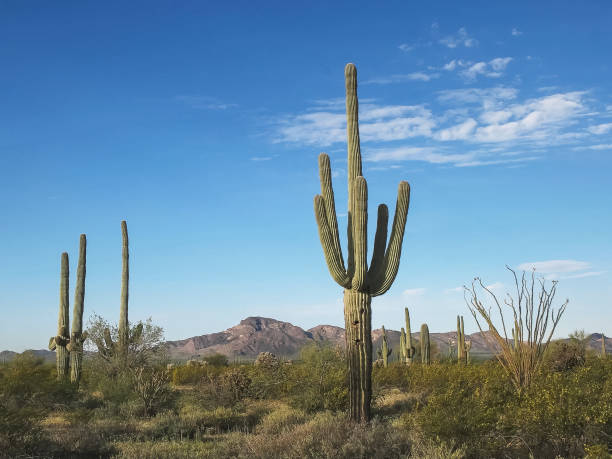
(403,355)
(77,336)
(461,352)
(410,350)
(124,330)
(603,345)
(425,356)
(61,340)
(360,282)
(385,350)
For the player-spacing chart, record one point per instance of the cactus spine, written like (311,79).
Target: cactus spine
(78,337)
(425,356)
(360,283)
(461,351)
(61,340)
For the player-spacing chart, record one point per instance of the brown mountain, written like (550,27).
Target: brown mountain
(259,334)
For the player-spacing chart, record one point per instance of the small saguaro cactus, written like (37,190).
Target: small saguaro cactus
(77,336)
(425,355)
(402,352)
(603,345)
(461,353)
(360,283)
(410,349)
(385,350)
(60,341)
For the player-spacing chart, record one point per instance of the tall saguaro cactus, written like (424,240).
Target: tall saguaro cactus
(60,342)
(425,347)
(603,345)
(360,282)
(124,329)
(77,336)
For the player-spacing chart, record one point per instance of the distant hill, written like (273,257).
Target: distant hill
(260,334)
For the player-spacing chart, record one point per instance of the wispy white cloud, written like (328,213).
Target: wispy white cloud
(495,68)
(586,274)
(261,158)
(495,286)
(406,47)
(402,78)
(600,128)
(204,102)
(516,32)
(377,123)
(601,146)
(425,154)
(461,38)
(555,266)
(414,292)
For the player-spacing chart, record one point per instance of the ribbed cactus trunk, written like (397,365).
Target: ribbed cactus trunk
(603,345)
(425,355)
(358,322)
(77,337)
(359,282)
(61,340)
(124,330)
(468,347)
(410,349)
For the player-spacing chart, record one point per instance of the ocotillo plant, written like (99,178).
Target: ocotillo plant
(360,283)
(461,354)
(77,336)
(410,350)
(425,355)
(61,340)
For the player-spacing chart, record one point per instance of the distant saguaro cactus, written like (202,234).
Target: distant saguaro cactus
(77,336)
(461,351)
(425,354)
(410,349)
(60,341)
(385,350)
(360,283)
(603,345)
(468,347)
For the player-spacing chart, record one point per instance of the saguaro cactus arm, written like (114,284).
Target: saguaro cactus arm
(61,340)
(383,277)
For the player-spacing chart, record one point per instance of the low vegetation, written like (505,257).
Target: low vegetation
(299,409)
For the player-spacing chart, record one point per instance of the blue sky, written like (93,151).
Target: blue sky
(200,124)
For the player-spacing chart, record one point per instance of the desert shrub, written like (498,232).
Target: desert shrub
(189,374)
(217,360)
(281,419)
(28,391)
(152,388)
(325,435)
(319,381)
(478,408)
(165,450)
(562,356)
